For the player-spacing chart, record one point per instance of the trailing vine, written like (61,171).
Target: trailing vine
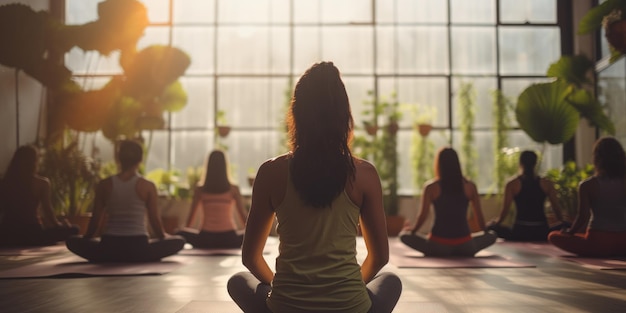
(501,106)
(467,112)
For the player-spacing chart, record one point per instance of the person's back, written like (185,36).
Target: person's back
(126,210)
(20,203)
(529,202)
(217,209)
(318,250)
(450,215)
(608,204)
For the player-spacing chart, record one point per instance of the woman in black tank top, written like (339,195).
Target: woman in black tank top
(529,193)
(450,194)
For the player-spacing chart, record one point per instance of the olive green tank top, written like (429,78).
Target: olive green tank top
(316,269)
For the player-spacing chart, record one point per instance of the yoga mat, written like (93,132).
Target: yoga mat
(74,266)
(404,257)
(209,252)
(230,306)
(32,251)
(210,306)
(547,249)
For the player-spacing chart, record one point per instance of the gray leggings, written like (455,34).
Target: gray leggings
(435,249)
(250,294)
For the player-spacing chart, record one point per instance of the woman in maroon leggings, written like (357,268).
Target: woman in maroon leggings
(599,229)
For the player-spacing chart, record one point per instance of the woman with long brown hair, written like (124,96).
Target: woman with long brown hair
(215,198)
(599,229)
(318,192)
(26,215)
(450,194)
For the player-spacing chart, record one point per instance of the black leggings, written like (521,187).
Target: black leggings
(525,232)
(124,248)
(215,240)
(34,235)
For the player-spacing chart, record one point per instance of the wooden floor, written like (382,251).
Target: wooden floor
(554,285)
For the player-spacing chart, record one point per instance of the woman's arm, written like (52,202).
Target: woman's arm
(475,202)
(372,222)
(509,193)
(584,208)
(153,211)
(46,205)
(259,225)
(548,188)
(241,211)
(426,201)
(99,203)
(194,206)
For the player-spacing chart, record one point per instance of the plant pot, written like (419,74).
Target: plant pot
(251,180)
(616,35)
(393,128)
(223,131)
(395,224)
(424,129)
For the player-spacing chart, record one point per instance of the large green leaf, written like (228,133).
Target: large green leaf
(543,112)
(592,110)
(174,98)
(572,69)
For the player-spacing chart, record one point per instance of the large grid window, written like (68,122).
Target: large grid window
(247,53)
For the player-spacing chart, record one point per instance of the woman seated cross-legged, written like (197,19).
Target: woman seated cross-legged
(26,215)
(449,193)
(599,229)
(216,199)
(318,192)
(529,192)
(120,206)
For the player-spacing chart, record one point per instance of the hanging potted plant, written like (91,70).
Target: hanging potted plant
(610,16)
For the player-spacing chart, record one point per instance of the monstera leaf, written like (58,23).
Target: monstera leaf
(545,114)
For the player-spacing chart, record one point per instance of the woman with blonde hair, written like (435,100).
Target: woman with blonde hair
(318,192)
(215,198)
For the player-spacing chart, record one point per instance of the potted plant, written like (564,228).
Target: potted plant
(467,112)
(381,149)
(422,147)
(223,129)
(566,180)
(73,177)
(610,16)
(550,112)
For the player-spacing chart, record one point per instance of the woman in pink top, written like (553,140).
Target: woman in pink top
(216,197)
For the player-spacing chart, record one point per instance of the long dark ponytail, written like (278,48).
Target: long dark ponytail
(320,127)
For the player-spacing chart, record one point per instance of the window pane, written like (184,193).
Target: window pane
(472,12)
(247,150)
(247,49)
(158,10)
(198,43)
(194,11)
(413,50)
(612,94)
(253,11)
(355,57)
(483,100)
(261,105)
(528,50)
(345,11)
(200,105)
(190,149)
(157,156)
(92,62)
(419,94)
(80,11)
(307,46)
(357,89)
(154,35)
(513,87)
(473,50)
(406,171)
(528,11)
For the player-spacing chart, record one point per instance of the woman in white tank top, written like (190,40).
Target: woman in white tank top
(124,200)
